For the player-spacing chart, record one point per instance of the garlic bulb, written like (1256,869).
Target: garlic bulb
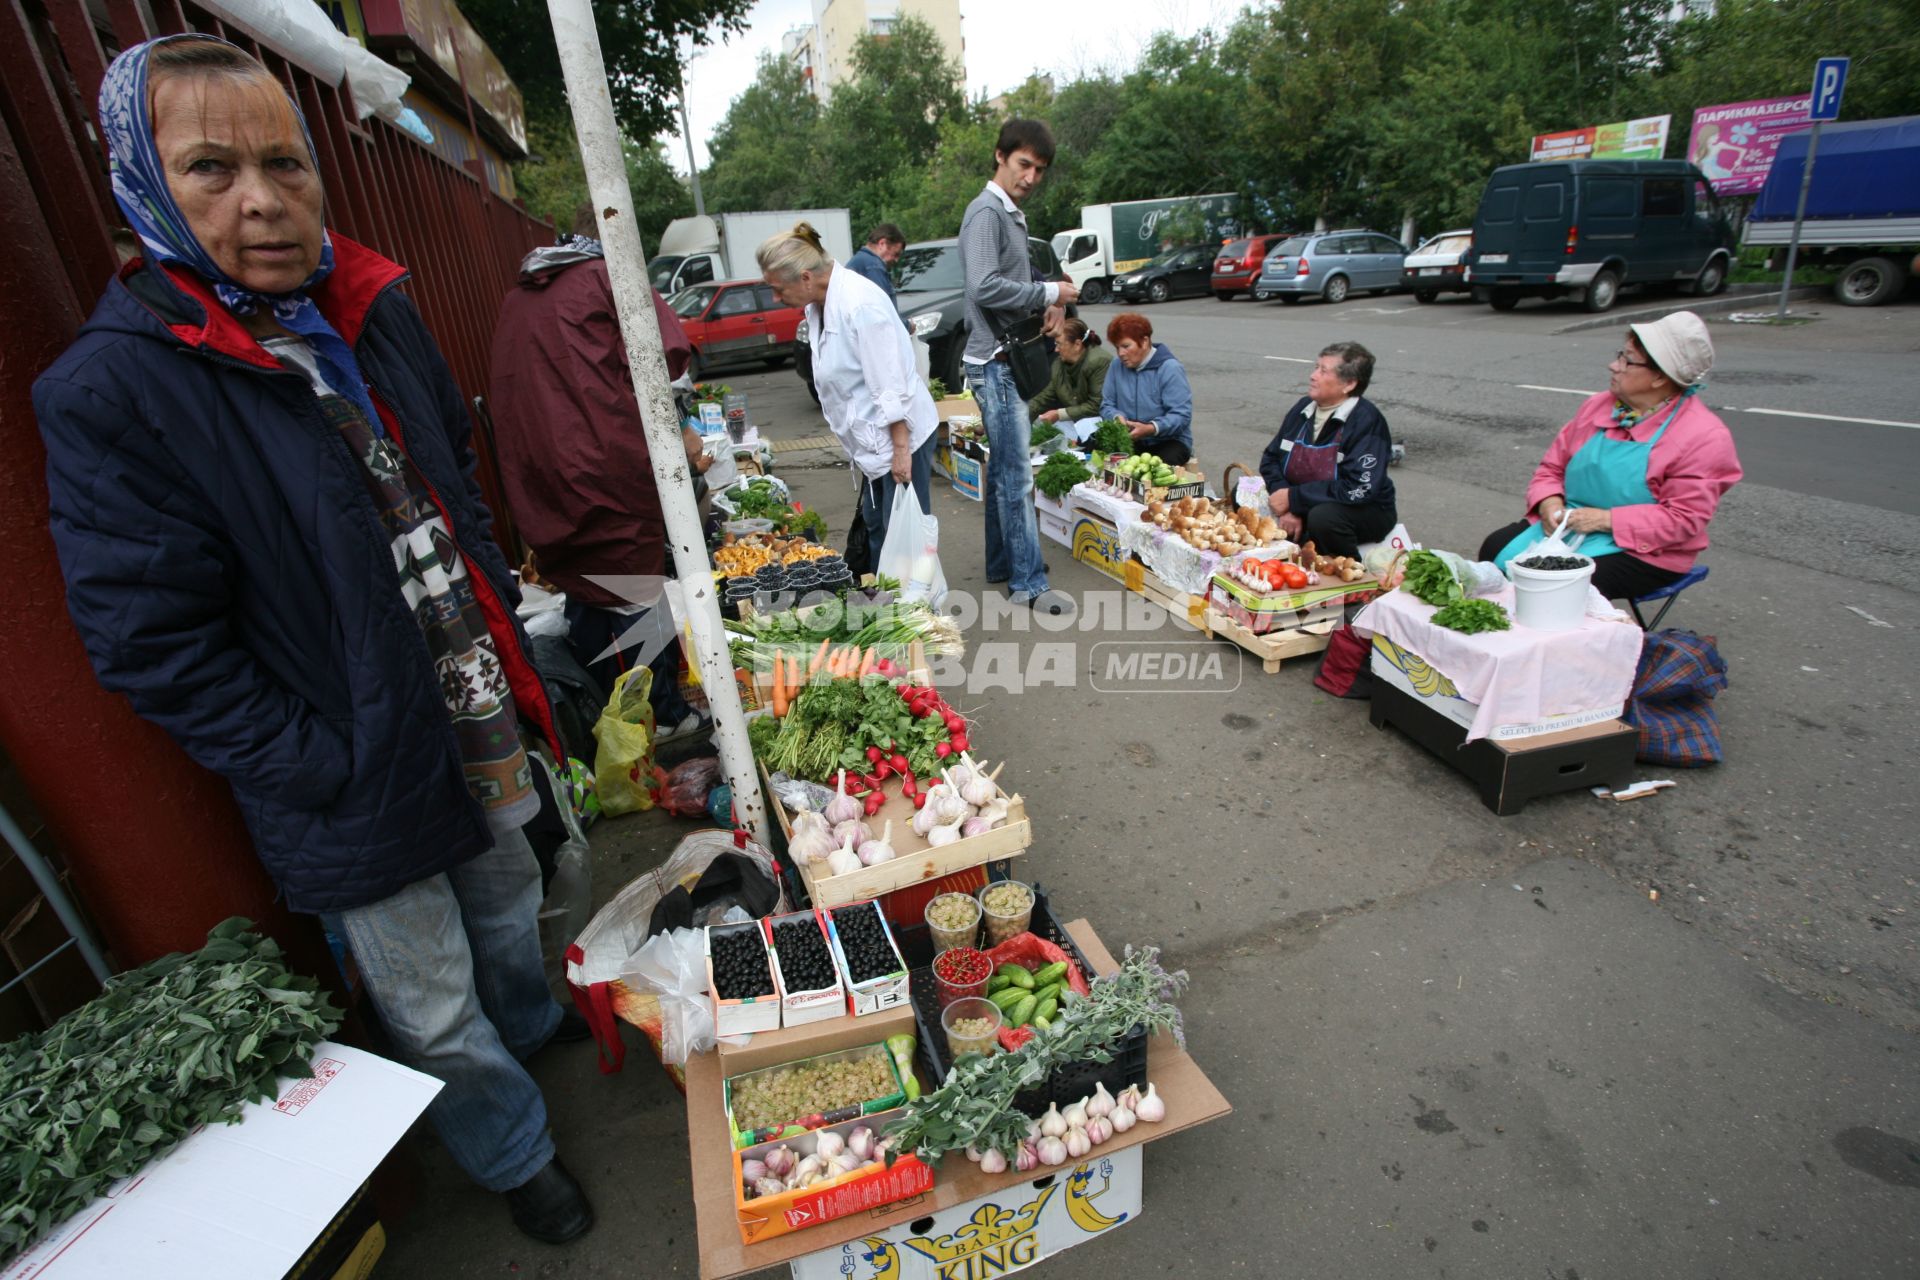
(944,835)
(994,810)
(1026,1158)
(993,1162)
(751,1171)
(768,1186)
(1053,1124)
(1078,1144)
(780,1161)
(805,819)
(1099,1129)
(977,825)
(1076,1115)
(1123,1118)
(845,1162)
(1130,1098)
(978,789)
(853,831)
(874,851)
(811,844)
(959,775)
(1053,1151)
(860,1142)
(974,1153)
(810,1167)
(843,861)
(1101,1103)
(923,821)
(829,1145)
(953,807)
(1151,1108)
(842,806)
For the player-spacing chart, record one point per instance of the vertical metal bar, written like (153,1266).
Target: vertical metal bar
(80,44)
(1799,216)
(55,893)
(129,19)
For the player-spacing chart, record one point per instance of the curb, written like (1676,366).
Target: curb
(1727,301)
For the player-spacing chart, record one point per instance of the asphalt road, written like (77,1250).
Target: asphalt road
(1457,1045)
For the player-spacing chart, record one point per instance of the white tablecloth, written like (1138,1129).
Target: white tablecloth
(1173,559)
(1119,512)
(1519,676)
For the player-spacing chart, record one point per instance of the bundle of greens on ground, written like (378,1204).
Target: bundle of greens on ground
(185,1041)
(974,1108)
(1059,473)
(1111,436)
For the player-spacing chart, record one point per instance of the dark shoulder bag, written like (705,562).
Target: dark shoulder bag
(1025,347)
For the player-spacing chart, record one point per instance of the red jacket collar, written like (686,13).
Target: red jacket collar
(345,297)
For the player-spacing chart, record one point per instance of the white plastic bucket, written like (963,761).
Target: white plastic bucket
(1549,599)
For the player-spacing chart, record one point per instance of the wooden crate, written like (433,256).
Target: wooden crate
(1275,647)
(917,861)
(1184,608)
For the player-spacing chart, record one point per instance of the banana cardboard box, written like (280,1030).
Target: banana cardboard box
(1004,1231)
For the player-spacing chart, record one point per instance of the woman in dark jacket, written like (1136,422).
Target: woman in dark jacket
(1079,375)
(1326,470)
(262,495)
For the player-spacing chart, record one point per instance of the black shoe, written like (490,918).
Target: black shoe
(550,1206)
(572,1029)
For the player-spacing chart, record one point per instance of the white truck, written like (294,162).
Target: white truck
(1116,238)
(711,247)
(1863,207)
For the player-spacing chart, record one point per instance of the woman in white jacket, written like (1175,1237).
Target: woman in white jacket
(863,368)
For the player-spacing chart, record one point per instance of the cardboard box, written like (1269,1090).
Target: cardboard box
(798,1008)
(1192,485)
(1054,528)
(1511,773)
(895,1095)
(1096,544)
(765,1217)
(889,990)
(790,1044)
(1000,1232)
(755,1013)
(955,407)
(1191,1098)
(1409,673)
(248,1199)
(969,475)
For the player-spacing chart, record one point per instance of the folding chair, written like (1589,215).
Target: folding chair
(1668,594)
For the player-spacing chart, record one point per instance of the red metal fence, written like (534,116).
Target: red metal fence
(152,841)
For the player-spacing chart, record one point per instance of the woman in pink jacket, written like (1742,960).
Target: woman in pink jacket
(1641,467)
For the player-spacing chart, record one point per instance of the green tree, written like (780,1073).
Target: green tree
(885,122)
(554,184)
(766,152)
(1766,48)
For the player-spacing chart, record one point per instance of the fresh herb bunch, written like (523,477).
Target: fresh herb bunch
(936,388)
(710,392)
(829,727)
(974,1108)
(893,624)
(1473,616)
(758,500)
(1059,473)
(1431,579)
(1041,433)
(808,523)
(1111,436)
(184,1041)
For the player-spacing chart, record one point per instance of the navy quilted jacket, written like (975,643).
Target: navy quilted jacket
(228,572)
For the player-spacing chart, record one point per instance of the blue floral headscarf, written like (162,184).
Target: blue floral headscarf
(140,188)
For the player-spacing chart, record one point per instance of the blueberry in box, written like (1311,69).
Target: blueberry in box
(869,960)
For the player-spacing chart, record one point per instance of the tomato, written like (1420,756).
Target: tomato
(1296,577)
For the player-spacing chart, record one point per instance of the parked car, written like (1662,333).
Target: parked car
(1591,227)
(1237,265)
(1438,266)
(735,322)
(1185,272)
(1330,265)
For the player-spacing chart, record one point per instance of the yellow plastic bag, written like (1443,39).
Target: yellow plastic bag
(623,769)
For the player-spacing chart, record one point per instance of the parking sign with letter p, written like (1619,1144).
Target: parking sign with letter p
(1829,81)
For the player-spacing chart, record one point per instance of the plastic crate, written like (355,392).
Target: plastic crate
(1067,1084)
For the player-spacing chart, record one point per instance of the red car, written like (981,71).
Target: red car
(736,322)
(1237,265)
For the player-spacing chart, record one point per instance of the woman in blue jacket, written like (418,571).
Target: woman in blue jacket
(262,494)
(1147,389)
(1326,470)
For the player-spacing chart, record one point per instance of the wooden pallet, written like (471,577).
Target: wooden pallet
(1184,608)
(1275,647)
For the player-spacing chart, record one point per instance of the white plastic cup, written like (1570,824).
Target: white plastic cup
(1550,599)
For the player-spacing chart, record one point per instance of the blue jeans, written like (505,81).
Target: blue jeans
(1013,534)
(453,965)
(876,496)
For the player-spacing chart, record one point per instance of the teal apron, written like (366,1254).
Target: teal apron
(1605,473)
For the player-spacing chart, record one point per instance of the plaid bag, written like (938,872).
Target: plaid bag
(1672,702)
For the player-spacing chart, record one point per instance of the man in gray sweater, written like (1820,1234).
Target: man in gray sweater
(1001,290)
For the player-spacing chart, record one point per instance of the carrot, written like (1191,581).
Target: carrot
(866,663)
(779,685)
(819,659)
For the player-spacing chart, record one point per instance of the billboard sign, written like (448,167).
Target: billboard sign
(1643,139)
(1733,144)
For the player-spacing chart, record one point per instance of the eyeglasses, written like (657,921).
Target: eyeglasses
(1621,358)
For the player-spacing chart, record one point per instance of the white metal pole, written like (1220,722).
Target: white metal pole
(693,166)
(586,76)
(1799,216)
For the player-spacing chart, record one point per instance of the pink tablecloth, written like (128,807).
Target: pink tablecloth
(1519,676)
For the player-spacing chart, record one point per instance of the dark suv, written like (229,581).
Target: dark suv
(930,291)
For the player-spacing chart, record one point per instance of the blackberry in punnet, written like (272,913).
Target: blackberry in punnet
(863,939)
(805,961)
(740,969)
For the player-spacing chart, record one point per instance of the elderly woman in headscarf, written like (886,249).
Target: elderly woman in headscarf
(1641,468)
(262,495)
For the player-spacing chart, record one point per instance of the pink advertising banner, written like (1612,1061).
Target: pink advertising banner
(1734,144)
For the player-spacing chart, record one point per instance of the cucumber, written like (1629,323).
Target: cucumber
(998,982)
(1044,1011)
(1020,975)
(1019,1015)
(1057,990)
(1038,1021)
(1006,997)
(1052,973)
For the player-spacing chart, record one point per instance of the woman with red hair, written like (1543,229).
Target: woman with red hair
(1147,389)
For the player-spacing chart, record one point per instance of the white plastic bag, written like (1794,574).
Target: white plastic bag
(911,555)
(673,965)
(377,84)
